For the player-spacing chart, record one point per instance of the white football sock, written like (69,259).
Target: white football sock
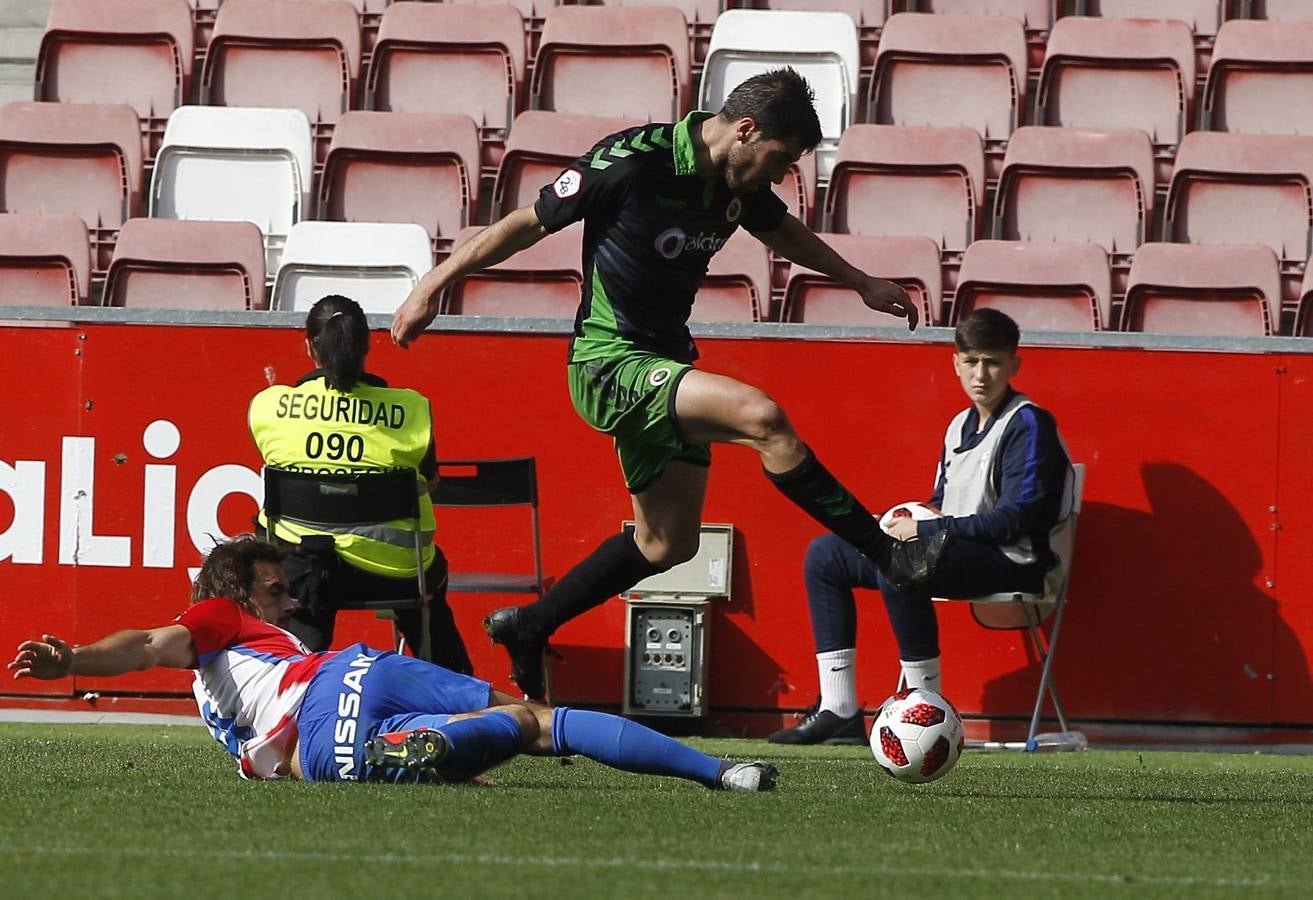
(922,673)
(838,681)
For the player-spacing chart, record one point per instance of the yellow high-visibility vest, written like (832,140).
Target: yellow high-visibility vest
(311,427)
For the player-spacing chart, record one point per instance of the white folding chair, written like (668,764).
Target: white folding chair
(821,46)
(374,263)
(236,164)
(1018,610)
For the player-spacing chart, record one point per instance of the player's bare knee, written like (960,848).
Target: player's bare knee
(667,551)
(765,422)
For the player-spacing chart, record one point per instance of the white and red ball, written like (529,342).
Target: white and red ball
(917,736)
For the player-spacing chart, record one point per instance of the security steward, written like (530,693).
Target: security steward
(340,418)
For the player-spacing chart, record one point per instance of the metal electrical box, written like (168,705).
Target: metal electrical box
(666,621)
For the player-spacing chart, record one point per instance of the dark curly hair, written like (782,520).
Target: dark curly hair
(229,569)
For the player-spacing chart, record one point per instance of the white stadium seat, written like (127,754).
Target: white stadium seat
(236,164)
(374,263)
(821,46)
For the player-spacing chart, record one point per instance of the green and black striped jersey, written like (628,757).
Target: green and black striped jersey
(651,225)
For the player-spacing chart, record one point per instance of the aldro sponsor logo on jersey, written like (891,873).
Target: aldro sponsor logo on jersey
(674,241)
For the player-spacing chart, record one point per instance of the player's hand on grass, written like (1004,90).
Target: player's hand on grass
(414,315)
(47,659)
(887,297)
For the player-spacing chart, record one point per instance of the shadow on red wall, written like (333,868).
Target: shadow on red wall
(1143,634)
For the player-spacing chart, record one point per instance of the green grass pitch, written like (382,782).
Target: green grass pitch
(119,811)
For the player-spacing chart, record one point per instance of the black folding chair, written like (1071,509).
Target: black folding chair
(490,483)
(351,503)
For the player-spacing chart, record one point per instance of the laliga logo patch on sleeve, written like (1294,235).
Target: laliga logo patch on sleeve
(567,185)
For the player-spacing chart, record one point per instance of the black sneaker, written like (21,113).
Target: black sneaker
(421,751)
(910,564)
(823,727)
(507,626)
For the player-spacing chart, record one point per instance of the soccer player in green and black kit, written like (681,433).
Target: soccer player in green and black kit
(657,201)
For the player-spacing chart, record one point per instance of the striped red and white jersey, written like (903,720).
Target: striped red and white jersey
(251,679)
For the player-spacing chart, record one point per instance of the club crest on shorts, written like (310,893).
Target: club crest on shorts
(658,377)
(734,210)
(567,185)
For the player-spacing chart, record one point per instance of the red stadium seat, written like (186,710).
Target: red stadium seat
(44,261)
(476,54)
(891,179)
(541,144)
(403,167)
(1044,286)
(737,285)
(1280,10)
(285,53)
(912,262)
(798,189)
(1243,189)
(1260,80)
(1218,290)
(1036,15)
(630,62)
(82,159)
(699,14)
(1304,314)
(952,70)
(1203,16)
(545,280)
(1065,184)
(137,52)
(1120,73)
(174,264)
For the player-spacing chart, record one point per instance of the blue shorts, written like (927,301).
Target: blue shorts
(362,692)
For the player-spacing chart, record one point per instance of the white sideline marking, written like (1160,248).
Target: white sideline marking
(664,865)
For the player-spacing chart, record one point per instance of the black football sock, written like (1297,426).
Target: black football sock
(811,486)
(616,565)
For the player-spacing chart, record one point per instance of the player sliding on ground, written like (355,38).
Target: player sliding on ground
(657,201)
(357,714)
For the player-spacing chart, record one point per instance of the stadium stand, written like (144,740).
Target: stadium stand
(476,54)
(932,180)
(263,157)
(912,262)
(1279,10)
(868,15)
(1260,80)
(166,264)
(952,71)
(551,267)
(137,52)
(374,263)
(821,46)
(285,53)
(403,167)
(700,15)
(82,159)
(1203,16)
(1043,285)
(1036,16)
(737,285)
(1120,73)
(639,54)
(1068,184)
(533,11)
(1304,311)
(1188,289)
(798,189)
(541,144)
(1244,189)
(44,261)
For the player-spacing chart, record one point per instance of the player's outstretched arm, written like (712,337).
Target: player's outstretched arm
(797,243)
(124,651)
(499,241)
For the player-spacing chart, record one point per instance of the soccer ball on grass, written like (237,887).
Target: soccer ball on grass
(917,736)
